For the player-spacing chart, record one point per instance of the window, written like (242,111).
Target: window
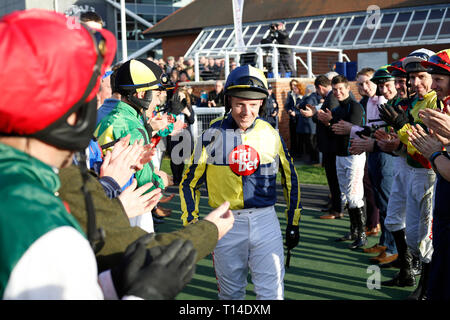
(353,30)
(251,30)
(382,32)
(324,32)
(399,27)
(223,38)
(339,31)
(416,25)
(298,32)
(309,35)
(445,29)
(432,26)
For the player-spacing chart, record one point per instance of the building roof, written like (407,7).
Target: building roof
(206,13)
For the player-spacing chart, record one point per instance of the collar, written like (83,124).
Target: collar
(126,108)
(230,123)
(13,161)
(345,101)
(110,101)
(429,94)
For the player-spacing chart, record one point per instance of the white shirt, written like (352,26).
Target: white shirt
(372,113)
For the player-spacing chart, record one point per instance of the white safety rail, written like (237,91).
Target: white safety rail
(267,54)
(203,117)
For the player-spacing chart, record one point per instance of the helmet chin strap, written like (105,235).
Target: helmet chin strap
(141,106)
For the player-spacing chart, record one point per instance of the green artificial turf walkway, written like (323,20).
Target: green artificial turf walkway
(320,268)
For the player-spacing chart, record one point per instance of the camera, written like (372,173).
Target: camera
(273,27)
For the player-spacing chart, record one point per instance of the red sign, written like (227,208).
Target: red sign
(243,160)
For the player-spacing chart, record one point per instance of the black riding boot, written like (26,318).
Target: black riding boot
(360,223)
(352,234)
(416,266)
(421,291)
(405,276)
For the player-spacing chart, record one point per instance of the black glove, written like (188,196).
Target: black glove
(292,236)
(159,273)
(394,116)
(366,131)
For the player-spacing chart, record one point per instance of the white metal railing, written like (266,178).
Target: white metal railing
(273,56)
(203,117)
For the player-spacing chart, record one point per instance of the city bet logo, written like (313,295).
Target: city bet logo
(243,160)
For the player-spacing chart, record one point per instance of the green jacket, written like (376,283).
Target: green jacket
(29,207)
(111,216)
(123,120)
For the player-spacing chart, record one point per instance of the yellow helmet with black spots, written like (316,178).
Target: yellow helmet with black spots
(137,75)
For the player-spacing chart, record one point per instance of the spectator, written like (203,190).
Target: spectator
(218,68)
(233,65)
(170,64)
(306,128)
(216,96)
(279,35)
(190,63)
(327,145)
(92,19)
(202,62)
(208,72)
(180,61)
(190,91)
(271,112)
(294,97)
(179,66)
(211,64)
(190,73)
(162,64)
(183,76)
(202,101)
(174,76)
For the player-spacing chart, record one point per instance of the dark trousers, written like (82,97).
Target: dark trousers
(380,166)
(329,164)
(285,64)
(373,215)
(309,146)
(294,149)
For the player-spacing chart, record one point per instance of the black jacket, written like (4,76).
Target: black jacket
(325,138)
(351,111)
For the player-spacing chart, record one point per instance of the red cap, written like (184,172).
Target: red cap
(47,63)
(439,63)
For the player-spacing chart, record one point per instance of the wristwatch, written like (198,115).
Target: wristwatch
(437,154)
